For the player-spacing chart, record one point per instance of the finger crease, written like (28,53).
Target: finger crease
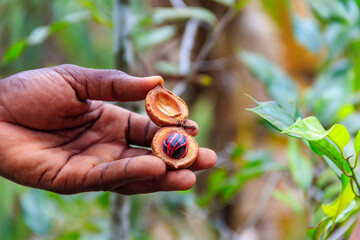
(88,126)
(56,175)
(127,133)
(41,176)
(146,129)
(124,152)
(113,91)
(85,176)
(104,170)
(126,164)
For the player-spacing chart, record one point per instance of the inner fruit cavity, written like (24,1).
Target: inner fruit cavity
(175,145)
(167,105)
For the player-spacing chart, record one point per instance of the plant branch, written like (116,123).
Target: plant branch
(120,205)
(187,46)
(187,41)
(205,50)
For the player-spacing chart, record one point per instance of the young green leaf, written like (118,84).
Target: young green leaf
(311,129)
(278,84)
(334,209)
(300,167)
(339,135)
(331,155)
(14,51)
(279,118)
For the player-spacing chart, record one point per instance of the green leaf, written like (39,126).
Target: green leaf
(315,233)
(37,212)
(279,118)
(331,155)
(311,129)
(307,32)
(161,15)
(279,85)
(334,209)
(153,37)
(300,167)
(290,200)
(14,51)
(70,236)
(340,136)
(357,145)
(310,232)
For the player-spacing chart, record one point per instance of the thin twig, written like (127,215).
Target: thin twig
(353,176)
(187,41)
(205,50)
(123,48)
(187,46)
(120,205)
(120,223)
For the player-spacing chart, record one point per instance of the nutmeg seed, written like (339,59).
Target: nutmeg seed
(185,161)
(175,145)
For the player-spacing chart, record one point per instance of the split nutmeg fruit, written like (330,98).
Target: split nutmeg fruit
(171,143)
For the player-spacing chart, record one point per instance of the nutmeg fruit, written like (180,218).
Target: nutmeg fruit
(171,143)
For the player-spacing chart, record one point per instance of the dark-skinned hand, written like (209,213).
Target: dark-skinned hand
(56,134)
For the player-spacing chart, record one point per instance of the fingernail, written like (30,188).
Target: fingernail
(156,79)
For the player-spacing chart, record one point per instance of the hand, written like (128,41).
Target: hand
(53,137)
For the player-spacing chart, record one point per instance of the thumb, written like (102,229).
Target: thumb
(107,85)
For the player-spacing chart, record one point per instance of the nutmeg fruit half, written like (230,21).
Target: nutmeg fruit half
(165,108)
(175,147)
(171,143)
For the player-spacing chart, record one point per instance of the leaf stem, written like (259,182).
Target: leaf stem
(353,177)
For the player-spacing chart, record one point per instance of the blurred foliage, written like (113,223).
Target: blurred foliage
(331,98)
(321,165)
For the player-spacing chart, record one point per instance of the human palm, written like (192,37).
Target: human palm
(53,137)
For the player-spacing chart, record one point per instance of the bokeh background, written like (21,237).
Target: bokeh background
(212,53)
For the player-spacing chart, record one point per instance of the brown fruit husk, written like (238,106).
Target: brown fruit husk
(172,163)
(164,108)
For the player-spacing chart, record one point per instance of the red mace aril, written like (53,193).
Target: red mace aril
(175,145)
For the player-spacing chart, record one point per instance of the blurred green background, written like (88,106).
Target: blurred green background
(304,55)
